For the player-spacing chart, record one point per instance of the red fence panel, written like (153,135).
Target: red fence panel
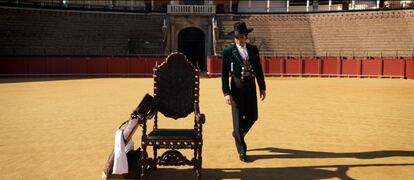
(213,66)
(12,65)
(97,65)
(77,65)
(331,67)
(151,62)
(57,65)
(276,66)
(351,67)
(312,66)
(393,68)
(136,65)
(371,67)
(409,68)
(35,65)
(264,64)
(118,65)
(144,66)
(19,65)
(4,65)
(293,66)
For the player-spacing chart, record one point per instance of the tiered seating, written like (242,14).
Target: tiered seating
(363,34)
(359,34)
(67,32)
(273,34)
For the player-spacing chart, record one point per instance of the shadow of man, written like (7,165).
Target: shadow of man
(290,153)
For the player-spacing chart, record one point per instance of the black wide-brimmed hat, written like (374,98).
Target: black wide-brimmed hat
(240,29)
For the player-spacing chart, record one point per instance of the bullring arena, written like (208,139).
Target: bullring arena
(308,128)
(339,75)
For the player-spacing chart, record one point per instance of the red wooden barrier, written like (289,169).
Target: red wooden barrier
(35,65)
(4,65)
(151,62)
(77,65)
(311,66)
(97,65)
(331,67)
(393,68)
(213,66)
(118,65)
(371,67)
(16,65)
(351,67)
(293,66)
(276,66)
(264,64)
(409,68)
(136,65)
(12,65)
(57,65)
(144,66)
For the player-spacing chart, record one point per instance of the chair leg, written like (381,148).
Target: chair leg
(154,164)
(144,161)
(195,158)
(199,162)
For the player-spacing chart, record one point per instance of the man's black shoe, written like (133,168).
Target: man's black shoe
(243,157)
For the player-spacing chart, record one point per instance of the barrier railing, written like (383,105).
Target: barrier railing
(272,66)
(78,65)
(328,67)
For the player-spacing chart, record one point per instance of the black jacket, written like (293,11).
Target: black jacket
(232,56)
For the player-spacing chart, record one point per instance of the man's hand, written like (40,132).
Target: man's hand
(262,94)
(228,99)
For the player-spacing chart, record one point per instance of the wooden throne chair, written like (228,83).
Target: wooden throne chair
(176,93)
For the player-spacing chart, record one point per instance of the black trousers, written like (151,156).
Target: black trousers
(244,109)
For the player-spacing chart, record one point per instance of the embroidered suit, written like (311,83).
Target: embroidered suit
(242,88)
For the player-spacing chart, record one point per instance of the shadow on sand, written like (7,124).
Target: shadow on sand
(289,153)
(301,172)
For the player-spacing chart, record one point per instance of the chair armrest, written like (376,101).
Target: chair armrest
(200,118)
(144,110)
(139,118)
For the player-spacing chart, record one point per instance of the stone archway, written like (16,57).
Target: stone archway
(191,42)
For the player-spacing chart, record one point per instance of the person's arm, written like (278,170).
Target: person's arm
(225,69)
(260,77)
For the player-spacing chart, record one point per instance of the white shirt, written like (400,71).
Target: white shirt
(120,151)
(243,52)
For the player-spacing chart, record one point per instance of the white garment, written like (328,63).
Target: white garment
(243,52)
(120,150)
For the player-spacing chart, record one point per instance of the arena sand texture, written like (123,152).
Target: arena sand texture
(308,128)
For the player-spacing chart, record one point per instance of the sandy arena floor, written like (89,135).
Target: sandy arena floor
(308,128)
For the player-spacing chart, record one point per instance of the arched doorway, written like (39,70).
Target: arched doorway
(191,42)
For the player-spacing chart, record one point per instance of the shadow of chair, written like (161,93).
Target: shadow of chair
(176,92)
